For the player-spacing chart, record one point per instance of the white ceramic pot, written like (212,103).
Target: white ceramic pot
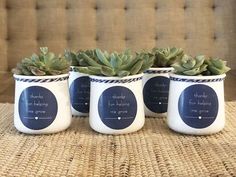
(42,104)
(79,85)
(196,104)
(116,104)
(155,91)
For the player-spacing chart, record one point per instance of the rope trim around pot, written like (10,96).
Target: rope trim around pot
(157,71)
(42,80)
(116,81)
(196,80)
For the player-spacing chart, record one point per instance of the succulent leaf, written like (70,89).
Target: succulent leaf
(199,60)
(147,59)
(95,69)
(16,71)
(102,57)
(71,57)
(135,69)
(115,61)
(44,50)
(85,70)
(36,71)
(107,71)
(106,54)
(123,73)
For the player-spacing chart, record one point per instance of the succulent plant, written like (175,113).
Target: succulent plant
(147,57)
(191,66)
(122,64)
(216,66)
(71,56)
(77,58)
(46,63)
(165,57)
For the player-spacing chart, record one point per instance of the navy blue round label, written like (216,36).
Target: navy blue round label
(80,94)
(37,107)
(155,94)
(198,106)
(117,107)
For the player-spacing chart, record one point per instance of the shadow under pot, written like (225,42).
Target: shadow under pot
(116,104)
(155,91)
(196,104)
(42,104)
(79,86)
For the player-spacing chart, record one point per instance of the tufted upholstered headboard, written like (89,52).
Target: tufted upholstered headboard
(199,26)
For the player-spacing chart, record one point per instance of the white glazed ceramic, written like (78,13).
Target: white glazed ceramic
(116,104)
(42,104)
(79,86)
(196,104)
(155,91)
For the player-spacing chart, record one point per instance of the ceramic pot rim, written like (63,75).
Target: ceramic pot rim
(73,66)
(16,76)
(116,78)
(161,69)
(197,77)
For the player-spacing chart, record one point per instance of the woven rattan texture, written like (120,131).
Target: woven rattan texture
(153,151)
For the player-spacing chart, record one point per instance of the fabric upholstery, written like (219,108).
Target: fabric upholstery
(199,26)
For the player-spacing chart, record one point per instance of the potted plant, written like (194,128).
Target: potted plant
(116,101)
(42,102)
(196,96)
(156,80)
(79,83)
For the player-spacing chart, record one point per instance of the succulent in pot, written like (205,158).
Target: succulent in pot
(216,66)
(114,64)
(165,57)
(190,66)
(116,104)
(156,79)
(196,96)
(42,102)
(79,83)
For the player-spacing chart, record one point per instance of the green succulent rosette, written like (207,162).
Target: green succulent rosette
(46,63)
(216,66)
(190,66)
(78,58)
(111,64)
(165,57)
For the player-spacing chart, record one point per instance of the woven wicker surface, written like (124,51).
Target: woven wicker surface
(153,151)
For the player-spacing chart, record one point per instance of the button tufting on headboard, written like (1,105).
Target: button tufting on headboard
(214,36)
(185,7)
(97,38)
(68,37)
(37,6)
(156,7)
(185,37)
(213,6)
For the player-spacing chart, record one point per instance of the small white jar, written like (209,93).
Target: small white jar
(42,104)
(155,91)
(116,104)
(79,86)
(196,104)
